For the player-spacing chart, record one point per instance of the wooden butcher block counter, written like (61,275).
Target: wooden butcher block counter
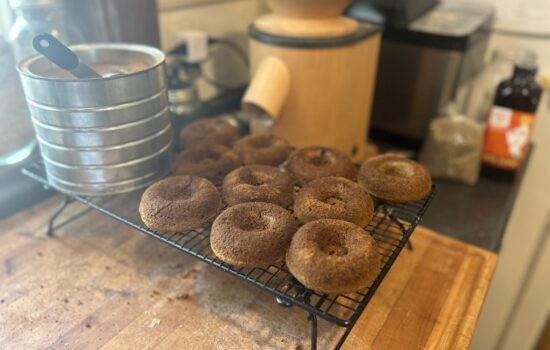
(101,284)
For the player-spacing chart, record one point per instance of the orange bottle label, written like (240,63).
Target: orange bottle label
(507,137)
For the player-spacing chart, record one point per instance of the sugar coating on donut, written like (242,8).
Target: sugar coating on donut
(334,198)
(213,162)
(179,203)
(395,178)
(264,149)
(252,234)
(333,256)
(209,131)
(258,183)
(310,163)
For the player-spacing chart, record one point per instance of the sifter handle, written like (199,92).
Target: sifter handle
(62,56)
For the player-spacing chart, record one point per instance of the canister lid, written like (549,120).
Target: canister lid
(364,31)
(16,4)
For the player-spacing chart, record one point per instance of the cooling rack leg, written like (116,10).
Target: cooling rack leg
(313,319)
(395,220)
(66,202)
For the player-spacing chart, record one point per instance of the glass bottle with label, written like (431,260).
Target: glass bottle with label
(481,91)
(510,123)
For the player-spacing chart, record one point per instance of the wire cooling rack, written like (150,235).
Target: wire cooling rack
(391,227)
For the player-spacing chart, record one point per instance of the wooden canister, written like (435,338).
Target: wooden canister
(318,89)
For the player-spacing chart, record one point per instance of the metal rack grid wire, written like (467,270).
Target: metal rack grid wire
(391,227)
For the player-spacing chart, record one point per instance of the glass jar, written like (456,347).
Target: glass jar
(183,94)
(17,140)
(33,17)
(499,68)
(510,123)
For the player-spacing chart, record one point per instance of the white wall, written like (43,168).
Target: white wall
(526,16)
(512,318)
(518,255)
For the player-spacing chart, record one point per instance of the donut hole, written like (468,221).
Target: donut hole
(397,168)
(334,201)
(261,142)
(206,157)
(253,222)
(332,198)
(256,179)
(178,192)
(319,158)
(333,248)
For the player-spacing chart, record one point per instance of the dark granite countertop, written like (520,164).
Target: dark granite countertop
(475,214)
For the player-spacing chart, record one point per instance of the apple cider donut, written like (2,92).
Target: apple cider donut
(333,256)
(395,178)
(310,163)
(258,183)
(334,198)
(179,203)
(252,234)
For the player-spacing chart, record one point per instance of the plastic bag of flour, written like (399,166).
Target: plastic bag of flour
(452,149)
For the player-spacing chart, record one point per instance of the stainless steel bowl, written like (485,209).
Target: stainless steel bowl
(94,117)
(104,136)
(111,173)
(107,155)
(143,68)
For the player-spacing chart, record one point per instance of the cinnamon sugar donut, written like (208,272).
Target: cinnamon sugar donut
(213,162)
(209,131)
(265,149)
(395,178)
(307,164)
(334,198)
(179,203)
(258,183)
(252,234)
(333,256)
